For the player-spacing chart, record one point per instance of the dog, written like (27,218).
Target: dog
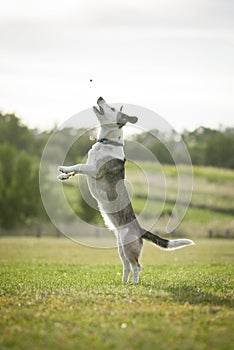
(105,175)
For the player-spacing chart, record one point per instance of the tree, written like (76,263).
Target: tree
(19,187)
(219,151)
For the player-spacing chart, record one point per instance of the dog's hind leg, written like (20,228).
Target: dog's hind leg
(132,252)
(126,265)
(136,268)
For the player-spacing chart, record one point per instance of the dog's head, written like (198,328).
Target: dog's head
(109,115)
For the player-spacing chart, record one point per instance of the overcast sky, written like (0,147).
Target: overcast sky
(175,57)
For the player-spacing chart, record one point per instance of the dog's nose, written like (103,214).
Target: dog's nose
(100,100)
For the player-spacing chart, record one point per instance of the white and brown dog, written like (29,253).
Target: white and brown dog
(105,171)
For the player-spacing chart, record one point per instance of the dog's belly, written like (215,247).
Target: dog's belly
(109,190)
(103,203)
(113,202)
(108,196)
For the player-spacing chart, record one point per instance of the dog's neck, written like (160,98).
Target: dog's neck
(113,134)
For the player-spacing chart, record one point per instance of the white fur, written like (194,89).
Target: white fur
(129,237)
(179,243)
(110,130)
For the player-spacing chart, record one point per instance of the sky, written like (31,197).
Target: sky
(174,57)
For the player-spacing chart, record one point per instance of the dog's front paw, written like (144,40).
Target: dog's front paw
(63,177)
(62,169)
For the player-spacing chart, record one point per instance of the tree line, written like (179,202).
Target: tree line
(206,147)
(21,149)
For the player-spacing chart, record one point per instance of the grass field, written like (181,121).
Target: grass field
(56,294)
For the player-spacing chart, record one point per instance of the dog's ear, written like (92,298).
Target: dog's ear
(124,118)
(128,118)
(131,119)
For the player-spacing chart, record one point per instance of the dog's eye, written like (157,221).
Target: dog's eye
(112,109)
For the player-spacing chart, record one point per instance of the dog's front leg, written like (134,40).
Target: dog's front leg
(68,171)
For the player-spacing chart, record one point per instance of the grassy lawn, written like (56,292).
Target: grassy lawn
(56,294)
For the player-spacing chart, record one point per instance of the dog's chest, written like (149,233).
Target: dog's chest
(109,174)
(99,151)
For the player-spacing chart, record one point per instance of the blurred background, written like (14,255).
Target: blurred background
(175,58)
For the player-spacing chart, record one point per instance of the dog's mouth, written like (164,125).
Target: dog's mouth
(98,110)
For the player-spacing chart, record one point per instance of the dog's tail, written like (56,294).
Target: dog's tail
(166,243)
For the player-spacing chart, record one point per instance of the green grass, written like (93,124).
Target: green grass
(56,294)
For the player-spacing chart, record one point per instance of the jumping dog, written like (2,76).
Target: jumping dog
(105,174)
